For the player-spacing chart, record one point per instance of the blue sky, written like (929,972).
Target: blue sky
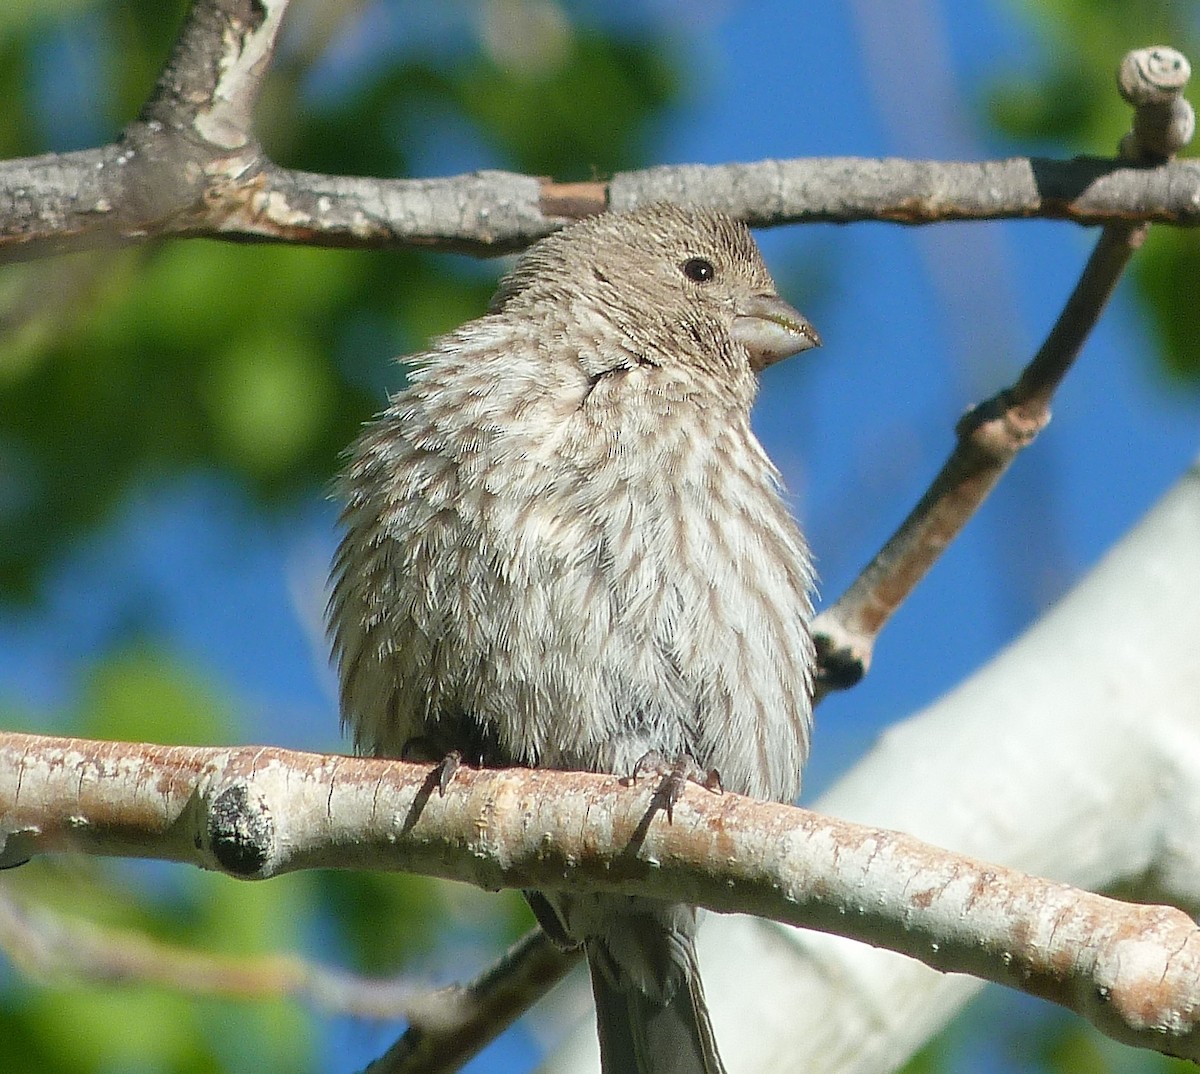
(917,323)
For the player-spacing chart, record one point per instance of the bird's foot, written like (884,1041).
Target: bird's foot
(419,749)
(673,777)
(446,769)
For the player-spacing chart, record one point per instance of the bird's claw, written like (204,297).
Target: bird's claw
(445,770)
(673,777)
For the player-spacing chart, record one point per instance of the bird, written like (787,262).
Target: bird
(565,548)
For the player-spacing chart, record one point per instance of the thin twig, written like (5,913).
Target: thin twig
(486,1008)
(51,945)
(989,437)
(994,432)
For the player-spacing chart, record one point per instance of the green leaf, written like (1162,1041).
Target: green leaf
(268,397)
(142,694)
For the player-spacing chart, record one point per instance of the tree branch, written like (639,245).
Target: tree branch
(257,812)
(189,167)
(989,438)
(480,1011)
(64,202)
(992,434)
(210,83)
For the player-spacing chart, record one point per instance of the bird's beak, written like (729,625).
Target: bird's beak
(771,330)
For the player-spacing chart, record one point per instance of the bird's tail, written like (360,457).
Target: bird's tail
(644,1033)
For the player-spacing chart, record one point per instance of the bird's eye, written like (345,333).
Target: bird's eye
(699,269)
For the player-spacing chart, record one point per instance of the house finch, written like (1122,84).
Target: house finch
(566,549)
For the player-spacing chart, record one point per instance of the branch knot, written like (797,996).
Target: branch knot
(241,830)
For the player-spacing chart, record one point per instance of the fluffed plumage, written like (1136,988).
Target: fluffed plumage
(565,548)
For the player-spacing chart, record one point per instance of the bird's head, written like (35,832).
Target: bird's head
(663,286)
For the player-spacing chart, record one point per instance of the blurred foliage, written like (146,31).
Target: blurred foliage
(120,370)
(1068,100)
(1167,273)
(68,1025)
(261,361)
(1068,1048)
(584,116)
(139,694)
